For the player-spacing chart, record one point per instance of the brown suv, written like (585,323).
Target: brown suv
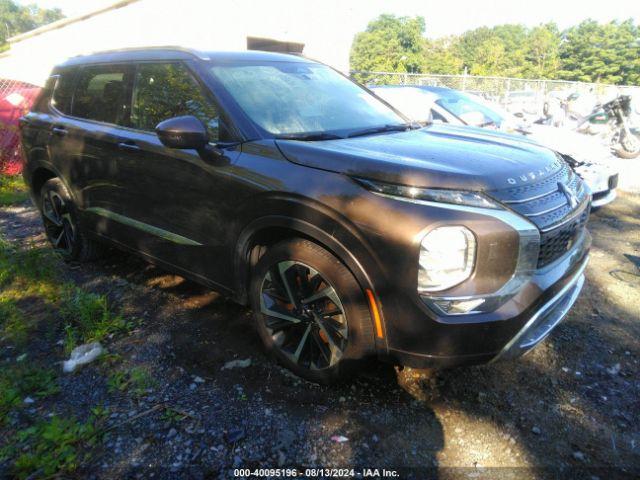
(277,181)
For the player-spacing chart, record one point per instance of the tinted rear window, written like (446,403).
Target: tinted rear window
(101,93)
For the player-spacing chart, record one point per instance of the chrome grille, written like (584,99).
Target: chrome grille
(548,204)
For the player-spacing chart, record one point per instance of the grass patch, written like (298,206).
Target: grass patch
(88,318)
(27,278)
(21,381)
(35,300)
(12,190)
(13,325)
(53,447)
(137,380)
(30,273)
(171,415)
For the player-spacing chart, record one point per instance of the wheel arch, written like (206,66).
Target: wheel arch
(39,177)
(268,230)
(38,170)
(272,229)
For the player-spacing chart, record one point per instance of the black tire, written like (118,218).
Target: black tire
(622,152)
(60,219)
(319,359)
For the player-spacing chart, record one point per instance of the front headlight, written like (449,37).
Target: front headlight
(448,253)
(421,195)
(447,256)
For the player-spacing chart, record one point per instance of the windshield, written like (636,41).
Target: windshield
(470,111)
(293,98)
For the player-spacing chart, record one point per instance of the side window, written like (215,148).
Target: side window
(436,117)
(101,94)
(63,91)
(163,91)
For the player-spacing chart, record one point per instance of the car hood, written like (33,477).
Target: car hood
(440,156)
(581,147)
(595,161)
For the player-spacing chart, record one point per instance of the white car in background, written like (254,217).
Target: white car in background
(589,158)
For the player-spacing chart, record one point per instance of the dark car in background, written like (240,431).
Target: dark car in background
(349,230)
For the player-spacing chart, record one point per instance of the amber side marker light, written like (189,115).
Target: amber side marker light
(373,305)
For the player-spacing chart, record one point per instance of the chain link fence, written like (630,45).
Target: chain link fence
(16,98)
(515,94)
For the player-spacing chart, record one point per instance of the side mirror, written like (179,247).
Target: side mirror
(185,132)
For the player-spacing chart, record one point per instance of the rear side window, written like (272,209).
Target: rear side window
(101,94)
(62,91)
(163,91)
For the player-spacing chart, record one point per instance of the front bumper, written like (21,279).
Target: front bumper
(421,342)
(601,199)
(546,318)
(606,193)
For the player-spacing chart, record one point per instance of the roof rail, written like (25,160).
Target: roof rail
(196,53)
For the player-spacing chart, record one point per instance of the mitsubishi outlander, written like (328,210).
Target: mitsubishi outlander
(274,179)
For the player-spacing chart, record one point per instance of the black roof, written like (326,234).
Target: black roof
(179,53)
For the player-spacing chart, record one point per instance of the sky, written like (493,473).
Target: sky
(451,16)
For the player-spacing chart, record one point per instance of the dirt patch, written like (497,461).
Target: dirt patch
(573,403)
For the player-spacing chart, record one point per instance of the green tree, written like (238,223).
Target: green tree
(15,18)
(590,51)
(390,44)
(441,56)
(609,53)
(500,50)
(514,39)
(490,58)
(542,52)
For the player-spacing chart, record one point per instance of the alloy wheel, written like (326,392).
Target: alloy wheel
(58,222)
(303,315)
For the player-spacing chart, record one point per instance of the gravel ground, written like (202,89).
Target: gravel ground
(569,409)
(629,171)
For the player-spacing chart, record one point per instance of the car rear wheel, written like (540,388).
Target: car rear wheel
(310,311)
(61,226)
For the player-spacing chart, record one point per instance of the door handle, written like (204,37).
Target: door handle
(130,146)
(59,131)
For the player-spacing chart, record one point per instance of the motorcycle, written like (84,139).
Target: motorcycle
(611,121)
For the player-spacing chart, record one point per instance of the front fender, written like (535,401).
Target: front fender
(301,218)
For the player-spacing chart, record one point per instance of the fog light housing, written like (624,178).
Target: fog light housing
(447,257)
(458,307)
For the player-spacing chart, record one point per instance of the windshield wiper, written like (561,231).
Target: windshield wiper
(401,127)
(308,137)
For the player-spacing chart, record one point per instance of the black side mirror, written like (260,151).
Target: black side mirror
(185,132)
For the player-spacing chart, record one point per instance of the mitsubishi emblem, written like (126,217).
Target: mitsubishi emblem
(571,198)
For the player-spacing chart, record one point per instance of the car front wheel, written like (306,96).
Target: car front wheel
(310,311)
